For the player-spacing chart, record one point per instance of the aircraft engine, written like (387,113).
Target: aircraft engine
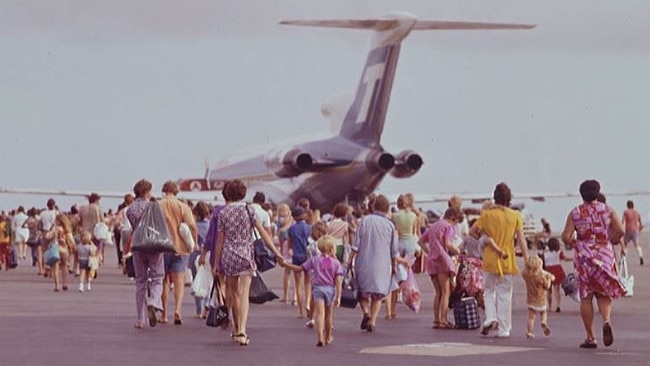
(379,161)
(294,162)
(407,163)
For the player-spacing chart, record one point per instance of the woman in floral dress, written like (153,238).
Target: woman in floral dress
(234,256)
(596,227)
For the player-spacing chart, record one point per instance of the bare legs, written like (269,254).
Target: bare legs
(238,287)
(391,304)
(323,317)
(300,292)
(441,298)
(285,286)
(555,289)
(531,323)
(371,308)
(587,313)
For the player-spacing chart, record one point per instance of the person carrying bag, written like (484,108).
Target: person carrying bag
(218,311)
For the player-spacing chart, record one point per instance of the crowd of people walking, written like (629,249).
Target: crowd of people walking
(318,250)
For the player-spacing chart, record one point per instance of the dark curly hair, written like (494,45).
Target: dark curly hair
(235,190)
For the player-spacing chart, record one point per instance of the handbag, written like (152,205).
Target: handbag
(218,311)
(264,257)
(349,291)
(152,234)
(51,256)
(626,278)
(259,293)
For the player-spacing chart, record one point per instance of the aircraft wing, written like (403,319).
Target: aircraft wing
(478,198)
(209,196)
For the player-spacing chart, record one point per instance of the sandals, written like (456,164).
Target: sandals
(589,343)
(608,336)
(446,325)
(242,339)
(530,335)
(364,322)
(138,326)
(546,329)
(177,319)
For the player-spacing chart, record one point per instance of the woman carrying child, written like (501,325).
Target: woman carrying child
(326,280)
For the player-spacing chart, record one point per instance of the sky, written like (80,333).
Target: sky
(95,95)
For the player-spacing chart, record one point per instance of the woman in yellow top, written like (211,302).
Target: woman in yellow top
(505,226)
(408,227)
(61,234)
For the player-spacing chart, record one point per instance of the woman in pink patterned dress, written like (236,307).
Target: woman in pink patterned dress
(437,243)
(596,227)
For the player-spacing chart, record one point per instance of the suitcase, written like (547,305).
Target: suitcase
(466,314)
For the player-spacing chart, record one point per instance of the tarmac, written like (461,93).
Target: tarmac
(39,326)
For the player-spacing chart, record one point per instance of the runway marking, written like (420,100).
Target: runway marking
(445,349)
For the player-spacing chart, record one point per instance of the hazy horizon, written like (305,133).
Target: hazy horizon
(96,95)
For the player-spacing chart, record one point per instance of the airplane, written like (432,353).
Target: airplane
(349,166)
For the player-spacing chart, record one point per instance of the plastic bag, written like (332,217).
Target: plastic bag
(202,281)
(570,287)
(101,232)
(259,293)
(51,256)
(186,235)
(626,278)
(152,234)
(411,294)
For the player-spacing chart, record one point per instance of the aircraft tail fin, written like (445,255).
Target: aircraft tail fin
(364,120)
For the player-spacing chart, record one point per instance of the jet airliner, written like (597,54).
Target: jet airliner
(348,166)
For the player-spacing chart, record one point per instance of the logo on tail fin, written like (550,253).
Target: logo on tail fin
(364,120)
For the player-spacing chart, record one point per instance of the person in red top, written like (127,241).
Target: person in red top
(632,222)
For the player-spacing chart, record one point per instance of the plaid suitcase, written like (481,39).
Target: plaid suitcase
(466,314)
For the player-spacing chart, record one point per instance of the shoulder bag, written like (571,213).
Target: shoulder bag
(264,257)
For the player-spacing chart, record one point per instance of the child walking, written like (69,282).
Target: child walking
(85,250)
(327,280)
(538,281)
(318,229)
(553,258)
(297,242)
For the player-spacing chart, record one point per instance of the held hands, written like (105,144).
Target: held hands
(337,302)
